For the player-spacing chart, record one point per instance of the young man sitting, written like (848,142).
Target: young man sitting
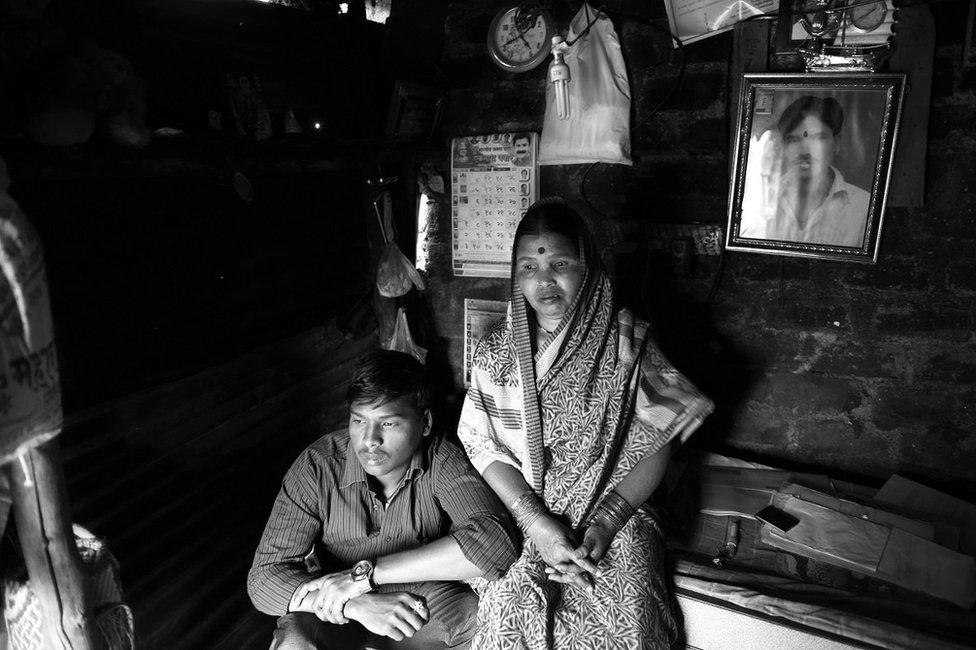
(397,516)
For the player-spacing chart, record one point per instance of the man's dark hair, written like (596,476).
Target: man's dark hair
(386,375)
(521,136)
(826,109)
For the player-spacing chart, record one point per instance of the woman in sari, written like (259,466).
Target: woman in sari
(570,417)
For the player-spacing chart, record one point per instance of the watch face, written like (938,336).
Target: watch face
(869,17)
(361,570)
(519,37)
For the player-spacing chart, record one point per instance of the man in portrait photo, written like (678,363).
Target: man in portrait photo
(522,150)
(794,191)
(462,152)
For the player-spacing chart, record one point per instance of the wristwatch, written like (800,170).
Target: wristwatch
(362,572)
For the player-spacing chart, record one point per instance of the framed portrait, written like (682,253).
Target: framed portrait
(813,156)
(414,112)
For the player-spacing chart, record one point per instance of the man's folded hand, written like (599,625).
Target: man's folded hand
(330,594)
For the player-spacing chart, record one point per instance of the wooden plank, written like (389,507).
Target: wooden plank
(914,55)
(166,406)
(231,487)
(40,505)
(167,418)
(323,390)
(155,479)
(750,53)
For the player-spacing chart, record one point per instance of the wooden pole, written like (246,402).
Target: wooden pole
(48,544)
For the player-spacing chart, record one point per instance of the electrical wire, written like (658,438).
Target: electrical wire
(643,122)
(664,100)
(586,30)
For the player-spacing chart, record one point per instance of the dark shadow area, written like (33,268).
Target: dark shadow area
(155,278)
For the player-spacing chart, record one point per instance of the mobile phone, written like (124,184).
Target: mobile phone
(778,519)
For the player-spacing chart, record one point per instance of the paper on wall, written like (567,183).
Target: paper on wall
(693,20)
(494,179)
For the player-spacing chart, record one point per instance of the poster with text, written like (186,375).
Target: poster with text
(693,20)
(494,179)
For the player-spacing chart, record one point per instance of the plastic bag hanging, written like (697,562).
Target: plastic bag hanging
(30,403)
(598,94)
(401,340)
(395,274)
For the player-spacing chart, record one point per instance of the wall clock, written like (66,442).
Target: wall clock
(868,17)
(519,37)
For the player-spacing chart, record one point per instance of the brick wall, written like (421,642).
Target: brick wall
(864,369)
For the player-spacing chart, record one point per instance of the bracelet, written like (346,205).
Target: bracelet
(527,509)
(613,512)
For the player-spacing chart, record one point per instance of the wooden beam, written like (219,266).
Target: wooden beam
(48,544)
(750,53)
(914,55)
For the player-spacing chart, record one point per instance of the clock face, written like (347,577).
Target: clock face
(869,17)
(519,41)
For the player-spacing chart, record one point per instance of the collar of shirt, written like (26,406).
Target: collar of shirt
(838,189)
(836,197)
(353,471)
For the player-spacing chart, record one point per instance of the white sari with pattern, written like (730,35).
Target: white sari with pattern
(607,398)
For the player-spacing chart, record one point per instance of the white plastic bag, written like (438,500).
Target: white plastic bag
(30,385)
(395,274)
(401,340)
(598,128)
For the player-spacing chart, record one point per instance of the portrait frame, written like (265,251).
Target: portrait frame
(841,165)
(415,112)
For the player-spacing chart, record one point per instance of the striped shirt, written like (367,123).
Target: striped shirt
(325,502)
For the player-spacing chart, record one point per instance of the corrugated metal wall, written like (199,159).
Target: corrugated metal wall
(181,478)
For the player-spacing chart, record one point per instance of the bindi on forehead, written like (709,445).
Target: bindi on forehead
(542,249)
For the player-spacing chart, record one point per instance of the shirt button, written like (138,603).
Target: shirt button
(389,538)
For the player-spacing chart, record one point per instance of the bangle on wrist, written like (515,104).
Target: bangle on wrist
(613,512)
(526,509)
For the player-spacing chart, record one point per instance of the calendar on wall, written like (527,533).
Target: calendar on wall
(479,315)
(494,179)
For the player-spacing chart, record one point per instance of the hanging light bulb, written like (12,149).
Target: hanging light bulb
(559,76)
